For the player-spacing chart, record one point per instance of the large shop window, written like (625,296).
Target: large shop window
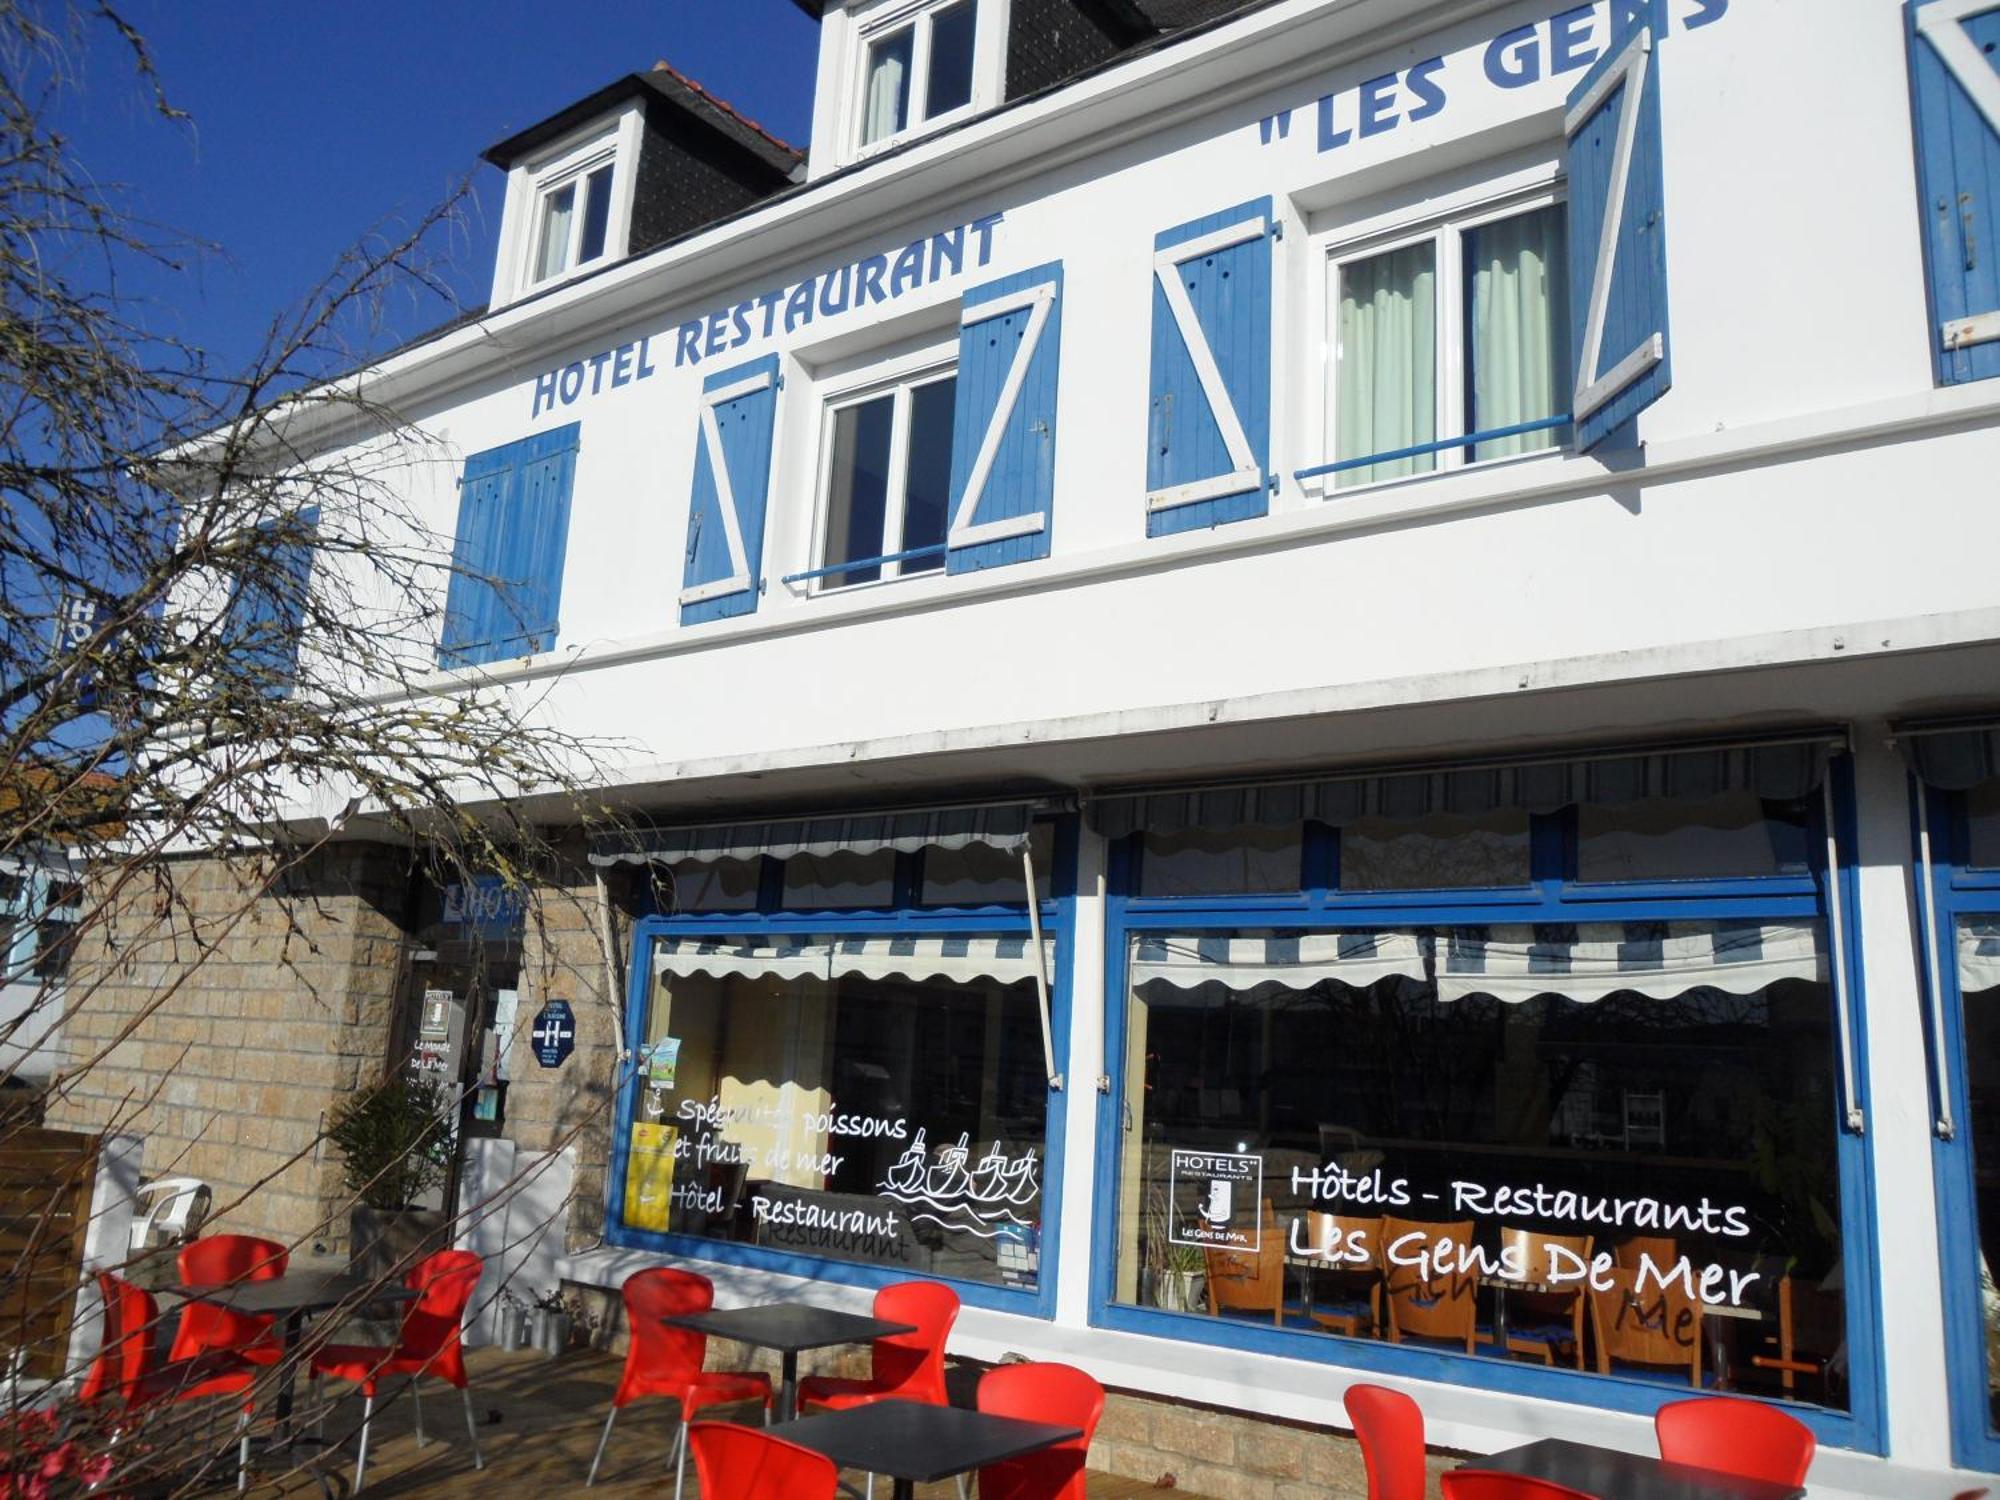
(842,1044)
(864,1098)
(1601,1146)
(1466,326)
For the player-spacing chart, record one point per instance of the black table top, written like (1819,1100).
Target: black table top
(917,1441)
(789,1326)
(1628,1476)
(295,1291)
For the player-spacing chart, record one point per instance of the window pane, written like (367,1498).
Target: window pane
(816,882)
(951,59)
(980,875)
(886,103)
(864,1116)
(1982,821)
(1222,861)
(1385,356)
(927,490)
(1666,838)
(1438,851)
(1517,301)
(552,256)
(1979,986)
(1315,1114)
(858,498)
(715,885)
(596,213)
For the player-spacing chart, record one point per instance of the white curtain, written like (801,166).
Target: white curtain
(1517,316)
(886,107)
(552,255)
(1386,362)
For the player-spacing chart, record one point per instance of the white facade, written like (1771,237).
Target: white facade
(1799,535)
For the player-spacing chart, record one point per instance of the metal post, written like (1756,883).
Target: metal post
(1041,968)
(1945,1125)
(1838,958)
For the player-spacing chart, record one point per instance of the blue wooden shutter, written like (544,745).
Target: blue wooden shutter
(1003,443)
(1617,230)
(1209,430)
(732,481)
(267,612)
(507,557)
(1955,93)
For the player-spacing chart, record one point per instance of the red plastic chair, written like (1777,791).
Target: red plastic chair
(907,1366)
(1390,1427)
(1488,1484)
(663,1361)
(744,1463)
(427,1344)
(1745,1438)
(214,1261)
(125,1370)
(1061,1395)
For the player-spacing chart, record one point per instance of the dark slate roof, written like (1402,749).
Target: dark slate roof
(663,82)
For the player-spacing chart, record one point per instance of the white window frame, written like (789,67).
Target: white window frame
(611,140)
(899,376)
(1444,225)
(884,22)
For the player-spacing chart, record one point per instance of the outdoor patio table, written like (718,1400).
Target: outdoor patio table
(1613,1475)
(916,1443)
(291,1299)
(789,1327)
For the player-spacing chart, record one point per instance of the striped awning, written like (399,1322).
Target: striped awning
(1590,960)
(1779,770)
(1008,959)
(1952,757)
(1002,825)
(1295,961)
(1978,954)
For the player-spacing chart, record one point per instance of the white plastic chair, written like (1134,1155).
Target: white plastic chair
(174,1208)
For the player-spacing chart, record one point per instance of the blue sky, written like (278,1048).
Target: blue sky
(313,122)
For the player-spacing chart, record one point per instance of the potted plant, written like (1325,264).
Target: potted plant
(1174,1269)
(395,1146)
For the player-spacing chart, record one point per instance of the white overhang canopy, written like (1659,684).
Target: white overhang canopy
(1779,768)
(1003,826)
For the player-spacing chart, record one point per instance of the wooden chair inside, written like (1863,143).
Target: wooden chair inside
(1540,1321)
(1423,1302)
(1356,1284)
(1811,1327)
(1249,1280)
(1659,1327)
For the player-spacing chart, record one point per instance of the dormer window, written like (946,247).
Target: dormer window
(575,213)
(917,68)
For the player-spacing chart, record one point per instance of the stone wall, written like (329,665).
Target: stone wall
(1225,1455)
(573,1105)
(219,1025)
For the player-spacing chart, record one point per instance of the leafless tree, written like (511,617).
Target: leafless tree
(220,603)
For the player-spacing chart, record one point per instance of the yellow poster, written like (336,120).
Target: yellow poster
(649,1176)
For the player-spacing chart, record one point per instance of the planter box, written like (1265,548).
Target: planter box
(385,1244)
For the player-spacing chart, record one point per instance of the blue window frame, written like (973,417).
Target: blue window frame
(1320,906)
(999,926)
(1962,974)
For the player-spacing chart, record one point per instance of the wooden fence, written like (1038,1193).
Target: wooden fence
(46,1177)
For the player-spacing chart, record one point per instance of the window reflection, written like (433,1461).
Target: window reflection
(1664,838)
(1222,861)
(1608,1147)
(1438,851)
